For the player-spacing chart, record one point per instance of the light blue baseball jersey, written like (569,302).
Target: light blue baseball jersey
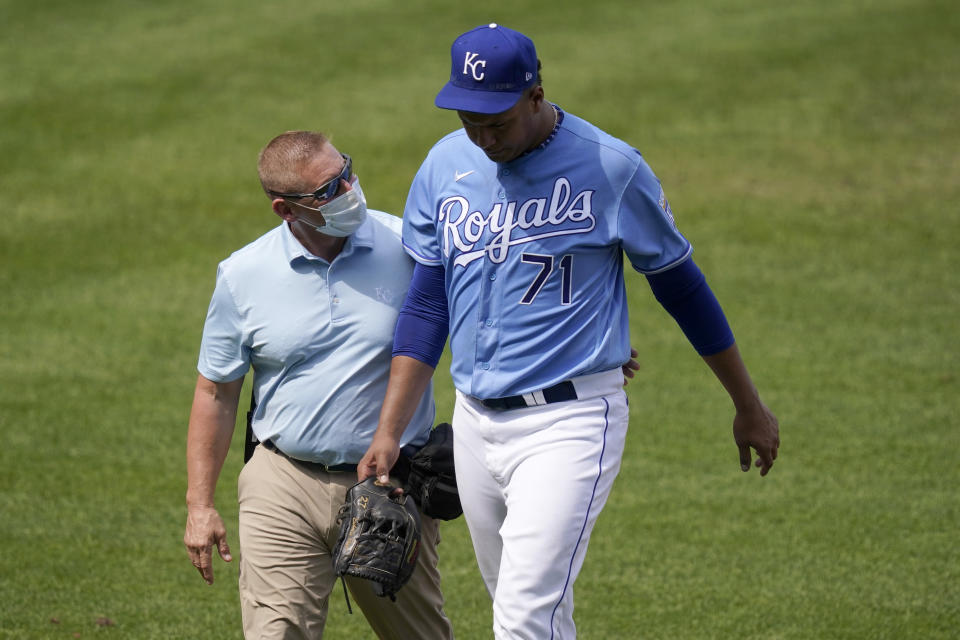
(533,253)
(318,336)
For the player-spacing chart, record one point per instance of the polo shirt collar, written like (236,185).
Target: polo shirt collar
(361,238)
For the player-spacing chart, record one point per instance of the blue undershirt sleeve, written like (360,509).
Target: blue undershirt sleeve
(685,294)
(423,323)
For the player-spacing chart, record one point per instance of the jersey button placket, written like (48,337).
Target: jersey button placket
(487,330)
(489,308)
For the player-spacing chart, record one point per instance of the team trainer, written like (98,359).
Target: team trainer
(311,307)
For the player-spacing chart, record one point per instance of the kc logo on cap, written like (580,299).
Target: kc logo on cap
(491,67)
(470,61)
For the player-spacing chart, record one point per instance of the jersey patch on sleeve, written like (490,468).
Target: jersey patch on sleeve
(666,207)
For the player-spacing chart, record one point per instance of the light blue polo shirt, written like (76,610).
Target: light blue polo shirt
(318,336)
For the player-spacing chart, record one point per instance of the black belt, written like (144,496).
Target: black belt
(560,392)
(318,466)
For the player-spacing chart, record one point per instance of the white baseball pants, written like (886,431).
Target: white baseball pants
(532,482)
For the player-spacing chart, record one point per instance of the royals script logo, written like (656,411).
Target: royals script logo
(559,215)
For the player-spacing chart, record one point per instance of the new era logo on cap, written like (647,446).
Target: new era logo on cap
(491,67)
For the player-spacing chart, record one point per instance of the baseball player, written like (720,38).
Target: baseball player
(519,223)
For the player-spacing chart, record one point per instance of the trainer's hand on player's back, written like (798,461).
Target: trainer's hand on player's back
(204,531)
(379,458)
(630,366)
(759,429)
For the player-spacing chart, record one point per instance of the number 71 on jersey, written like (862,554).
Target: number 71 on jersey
(546,268)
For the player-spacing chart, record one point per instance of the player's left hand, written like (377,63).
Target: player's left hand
(630,366)
(757,428)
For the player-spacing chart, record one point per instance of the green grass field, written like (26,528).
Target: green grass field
(810,150)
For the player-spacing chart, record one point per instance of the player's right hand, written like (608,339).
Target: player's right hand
(204,531)
(379,458)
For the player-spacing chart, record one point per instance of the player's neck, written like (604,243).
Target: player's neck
(547,122)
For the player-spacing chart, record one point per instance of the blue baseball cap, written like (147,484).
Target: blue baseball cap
(491,67)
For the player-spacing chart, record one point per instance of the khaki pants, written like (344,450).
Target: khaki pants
(288,529)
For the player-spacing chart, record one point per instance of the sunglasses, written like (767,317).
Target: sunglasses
(327,190)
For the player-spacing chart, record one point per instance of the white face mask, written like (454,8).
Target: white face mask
(344,214)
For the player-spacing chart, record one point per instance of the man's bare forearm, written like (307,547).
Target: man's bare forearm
(212,419)
(730,370)
(409,379)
